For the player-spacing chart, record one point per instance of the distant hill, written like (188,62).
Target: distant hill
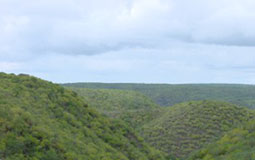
(130,106)
(178,130)
(238,144)
(115,100)
(42,120)
(189,126)
(168,95)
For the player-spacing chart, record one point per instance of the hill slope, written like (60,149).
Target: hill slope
(238,144)
(168,95)
(189,126)
(41,120)
(109,100)
(130,106)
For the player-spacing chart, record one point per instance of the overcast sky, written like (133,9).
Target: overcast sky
(150,41)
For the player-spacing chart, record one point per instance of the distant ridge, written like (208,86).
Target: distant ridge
(170,94)
(177,130)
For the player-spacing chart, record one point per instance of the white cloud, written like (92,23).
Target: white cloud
(184,63)
(89,27)
(129,40)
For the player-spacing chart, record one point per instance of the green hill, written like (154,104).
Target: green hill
(238,144)
(130,106)
(42,120)
(189,126)
(178,130)
(168,95)
(114,101)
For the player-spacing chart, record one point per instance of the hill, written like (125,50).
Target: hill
(189,126)
(42,120)
(178,130)
(168,95)
(238,144)
(130,106)
(109,100)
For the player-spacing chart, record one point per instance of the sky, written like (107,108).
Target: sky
(138,41)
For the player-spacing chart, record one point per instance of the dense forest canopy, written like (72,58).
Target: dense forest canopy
(112,99)
(189,126)
(130,106)
(177,130)
(41,120)
(238,144)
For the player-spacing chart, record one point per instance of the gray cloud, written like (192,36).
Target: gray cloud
(184,63)
(168,41)
(91,27)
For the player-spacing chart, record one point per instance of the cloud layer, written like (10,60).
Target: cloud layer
(141,38)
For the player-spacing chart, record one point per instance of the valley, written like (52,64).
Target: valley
(43,120)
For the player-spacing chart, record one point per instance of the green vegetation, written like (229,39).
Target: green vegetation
(138,118)
(130,106)
(189,126)
(110,101)
(41,120)
(178,130)
(168,95)
(238,144)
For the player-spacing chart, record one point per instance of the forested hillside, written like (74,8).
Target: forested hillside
(168,95)
(109,100)
(130,106)
(189,126)
(42,120)
(238,144)
(178,130)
